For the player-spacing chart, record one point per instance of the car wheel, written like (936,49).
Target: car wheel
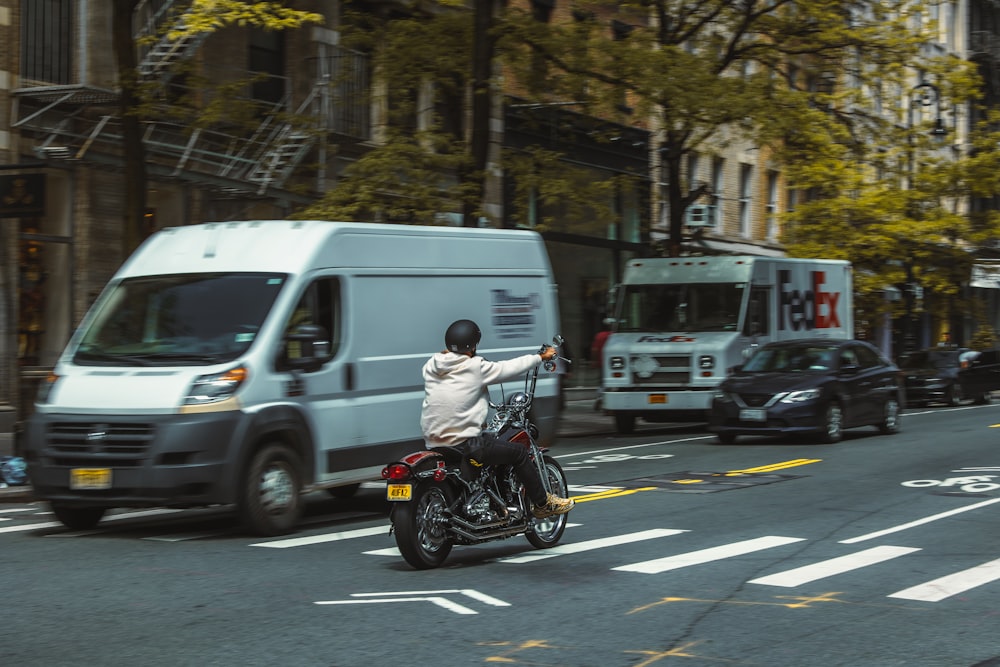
(954,396)
(726,438)
(833,423)
(984,398)
(890,417)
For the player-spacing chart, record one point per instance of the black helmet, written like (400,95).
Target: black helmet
(462,336)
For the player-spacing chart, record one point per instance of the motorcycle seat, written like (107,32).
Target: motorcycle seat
(451,455)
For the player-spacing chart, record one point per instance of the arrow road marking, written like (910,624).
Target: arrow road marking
(433,597)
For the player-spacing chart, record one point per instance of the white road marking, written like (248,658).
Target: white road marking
(394,551)
(919,522)
(29,526)
(659,565)
(833,566)
(958,582)
(589,545)
(17,509)
(325,537)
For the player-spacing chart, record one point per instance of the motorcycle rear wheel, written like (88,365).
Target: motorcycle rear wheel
(420,526)
(545,533)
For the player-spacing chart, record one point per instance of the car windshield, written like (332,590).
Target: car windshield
(686,307)
(188,319)
(928,359)
(798,358)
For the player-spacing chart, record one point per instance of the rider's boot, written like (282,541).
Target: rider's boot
(553,505)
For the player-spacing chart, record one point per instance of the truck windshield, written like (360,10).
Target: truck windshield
(187,319)
(687,307)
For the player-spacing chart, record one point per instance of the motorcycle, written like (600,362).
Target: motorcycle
(440,499)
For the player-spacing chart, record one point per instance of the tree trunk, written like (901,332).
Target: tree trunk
(482,96)
(134,212)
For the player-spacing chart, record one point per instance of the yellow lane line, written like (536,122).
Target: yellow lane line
(615,493)
(778,466)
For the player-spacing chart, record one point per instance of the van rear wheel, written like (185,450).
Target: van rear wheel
(271,499)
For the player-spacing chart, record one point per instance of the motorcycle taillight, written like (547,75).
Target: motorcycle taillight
(396,472)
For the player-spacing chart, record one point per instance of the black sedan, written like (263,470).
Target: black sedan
(811,386)
(950,374)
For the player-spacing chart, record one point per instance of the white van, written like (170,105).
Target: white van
(247,363)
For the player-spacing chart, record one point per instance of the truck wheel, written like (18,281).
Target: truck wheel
(271,499)
(78,518)
(624,423)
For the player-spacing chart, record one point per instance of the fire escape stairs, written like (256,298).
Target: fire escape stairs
(288,145)
(152,20)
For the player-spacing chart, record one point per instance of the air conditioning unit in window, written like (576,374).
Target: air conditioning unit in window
(700,215)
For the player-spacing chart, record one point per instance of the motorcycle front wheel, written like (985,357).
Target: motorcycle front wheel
(545,533)
(420,526)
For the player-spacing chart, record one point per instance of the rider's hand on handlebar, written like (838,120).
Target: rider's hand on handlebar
(548,353)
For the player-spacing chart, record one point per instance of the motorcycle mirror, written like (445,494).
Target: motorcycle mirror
(558,340)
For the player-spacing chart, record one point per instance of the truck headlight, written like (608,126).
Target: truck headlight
(706,361)
(216,387)
(616,363)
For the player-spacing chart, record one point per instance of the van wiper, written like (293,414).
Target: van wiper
(183,356)
(123,359)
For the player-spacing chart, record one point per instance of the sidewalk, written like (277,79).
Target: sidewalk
(578,419)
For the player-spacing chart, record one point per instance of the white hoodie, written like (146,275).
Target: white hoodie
(455,403)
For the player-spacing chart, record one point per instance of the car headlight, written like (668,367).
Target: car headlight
(216,387)
(801,396)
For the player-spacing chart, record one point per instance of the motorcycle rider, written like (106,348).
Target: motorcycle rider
(455,407)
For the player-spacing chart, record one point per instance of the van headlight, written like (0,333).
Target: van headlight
(801,396)
(45,388)
(216,387)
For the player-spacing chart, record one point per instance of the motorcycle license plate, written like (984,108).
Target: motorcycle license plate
(397,492)
(90,478)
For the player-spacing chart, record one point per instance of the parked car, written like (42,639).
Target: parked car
(813,386)
(949,375)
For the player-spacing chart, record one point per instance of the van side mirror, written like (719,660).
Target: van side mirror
(307,346)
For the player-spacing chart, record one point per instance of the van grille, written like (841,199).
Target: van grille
(93,443)
(671,370)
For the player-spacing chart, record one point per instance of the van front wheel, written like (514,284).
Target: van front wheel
(271,499)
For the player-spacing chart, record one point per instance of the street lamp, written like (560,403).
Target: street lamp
(925,94)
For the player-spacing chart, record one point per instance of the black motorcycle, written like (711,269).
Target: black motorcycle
(440,499)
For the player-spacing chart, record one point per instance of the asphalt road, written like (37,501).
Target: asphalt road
(877,551)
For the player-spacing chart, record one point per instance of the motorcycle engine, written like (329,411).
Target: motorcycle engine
(478,509)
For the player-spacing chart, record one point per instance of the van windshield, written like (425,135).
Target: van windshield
(687,307)
(178,320)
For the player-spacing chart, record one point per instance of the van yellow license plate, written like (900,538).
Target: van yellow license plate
(398,492)
(655,399)
(90,479)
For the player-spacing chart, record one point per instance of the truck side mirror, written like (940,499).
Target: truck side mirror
(307,347)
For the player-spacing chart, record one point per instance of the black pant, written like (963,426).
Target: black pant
(491,450)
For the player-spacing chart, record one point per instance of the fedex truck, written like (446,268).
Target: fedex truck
(680,323)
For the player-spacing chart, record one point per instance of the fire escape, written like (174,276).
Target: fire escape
(82,123)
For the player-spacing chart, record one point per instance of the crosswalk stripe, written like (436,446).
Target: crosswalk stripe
(325,537)
(29,526)
(588,545)
(833,566)
(958,582)
(658,565)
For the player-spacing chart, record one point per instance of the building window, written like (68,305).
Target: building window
(718,185)
(772,206)
(746,199)
(46,44)
(267,62)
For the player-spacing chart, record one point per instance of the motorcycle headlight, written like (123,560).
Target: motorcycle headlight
(801,396)
(216,387)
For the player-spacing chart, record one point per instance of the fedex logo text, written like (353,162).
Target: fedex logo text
(806,309)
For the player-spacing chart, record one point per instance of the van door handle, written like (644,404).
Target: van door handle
(349,377)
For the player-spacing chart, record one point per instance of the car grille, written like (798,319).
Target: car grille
(90,443)
(671,370)
(755,400)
